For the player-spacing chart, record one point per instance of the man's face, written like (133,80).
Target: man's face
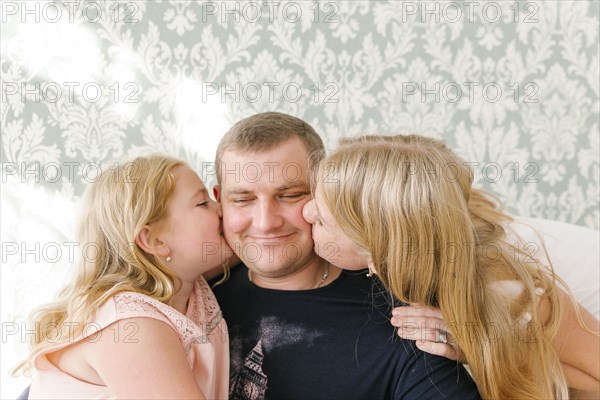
(262,195)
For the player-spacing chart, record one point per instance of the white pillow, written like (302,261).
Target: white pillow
(574,252)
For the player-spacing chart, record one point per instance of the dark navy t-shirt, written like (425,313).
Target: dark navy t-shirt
(334,342)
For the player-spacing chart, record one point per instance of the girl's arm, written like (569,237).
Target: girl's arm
(577,348)
(142,358)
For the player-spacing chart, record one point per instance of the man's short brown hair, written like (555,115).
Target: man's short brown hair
(264,131)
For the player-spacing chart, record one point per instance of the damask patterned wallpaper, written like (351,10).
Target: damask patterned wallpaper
(512,86)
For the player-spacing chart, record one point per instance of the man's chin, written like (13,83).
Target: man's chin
(272,269)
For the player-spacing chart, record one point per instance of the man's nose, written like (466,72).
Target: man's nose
(268,216)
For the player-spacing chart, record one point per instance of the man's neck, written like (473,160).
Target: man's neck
(313,276)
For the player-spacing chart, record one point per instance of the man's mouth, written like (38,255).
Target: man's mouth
(271,237)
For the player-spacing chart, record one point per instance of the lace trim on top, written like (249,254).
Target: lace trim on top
(203,314)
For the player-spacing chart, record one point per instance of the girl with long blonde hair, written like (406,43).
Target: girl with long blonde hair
(138,320)
(405,207)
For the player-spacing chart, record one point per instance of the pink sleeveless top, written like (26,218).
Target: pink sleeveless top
(202,331)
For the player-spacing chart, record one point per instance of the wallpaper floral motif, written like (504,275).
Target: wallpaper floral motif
(511,85)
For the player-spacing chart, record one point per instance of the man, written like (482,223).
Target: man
(298,326)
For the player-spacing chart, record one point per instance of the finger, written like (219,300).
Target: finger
(439,349)
(418,319)
(417,310)
(420,334)
(414,322)
(433,335)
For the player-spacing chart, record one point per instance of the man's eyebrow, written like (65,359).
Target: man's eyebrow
(282,188)
(230,192)
(292,186)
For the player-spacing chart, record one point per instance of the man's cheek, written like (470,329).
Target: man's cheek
(232,223)
(298,218)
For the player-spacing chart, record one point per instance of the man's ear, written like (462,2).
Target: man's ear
(217,193)
(151,245)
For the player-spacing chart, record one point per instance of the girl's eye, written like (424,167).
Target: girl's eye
(202,204)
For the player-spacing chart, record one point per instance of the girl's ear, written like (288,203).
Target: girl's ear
(151,245)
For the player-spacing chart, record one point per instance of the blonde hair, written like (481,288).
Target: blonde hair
(264,131)
(115,209)
(408,202)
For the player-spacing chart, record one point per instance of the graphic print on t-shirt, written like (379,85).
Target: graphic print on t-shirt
(249,381)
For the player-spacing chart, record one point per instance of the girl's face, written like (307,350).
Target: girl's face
(331,243)
(192,230)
